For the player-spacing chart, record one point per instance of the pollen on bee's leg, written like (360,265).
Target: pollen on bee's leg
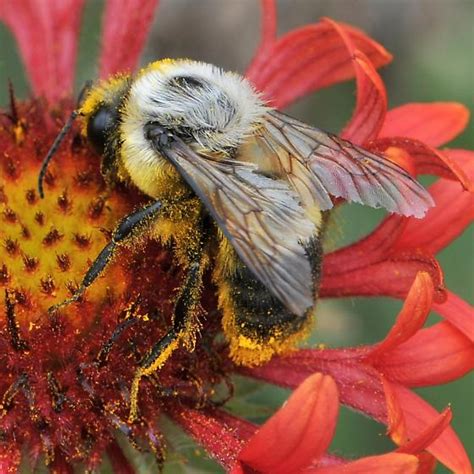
(153,361)
(132,416)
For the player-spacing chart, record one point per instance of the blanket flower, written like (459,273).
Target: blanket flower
(65,378)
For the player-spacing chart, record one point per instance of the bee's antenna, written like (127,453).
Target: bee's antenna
(52,151)
(60,138)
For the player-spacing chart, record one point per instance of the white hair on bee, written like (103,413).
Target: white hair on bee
(214,109)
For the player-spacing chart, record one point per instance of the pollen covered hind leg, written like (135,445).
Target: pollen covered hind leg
(183,330)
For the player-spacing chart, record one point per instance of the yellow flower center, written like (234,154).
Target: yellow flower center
(48,244)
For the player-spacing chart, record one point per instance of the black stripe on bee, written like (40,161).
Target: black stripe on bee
(187,82)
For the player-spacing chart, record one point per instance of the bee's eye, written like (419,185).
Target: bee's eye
(98,126)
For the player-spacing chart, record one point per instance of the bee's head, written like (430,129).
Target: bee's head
(100,116)
(99,111)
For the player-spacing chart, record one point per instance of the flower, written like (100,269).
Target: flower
(296,438)
(66,378)
(375,380)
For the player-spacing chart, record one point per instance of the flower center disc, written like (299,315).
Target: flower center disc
(48,244)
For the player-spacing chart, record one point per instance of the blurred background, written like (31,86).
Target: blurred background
(433,46)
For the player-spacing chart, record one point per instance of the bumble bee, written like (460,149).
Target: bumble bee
(236,186)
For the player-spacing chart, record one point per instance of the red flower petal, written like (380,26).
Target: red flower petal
(410,319)
(417,416)
(372,267)
(392,463)
(426,463)
(126,24)
(396,425)
(358,383)
(308,59)
(427,437)
(327,460)
(371,249)
(433,356)
(371,105)
(453,212)
(459,313)
(268,34)
(221,434)
(299,432)
(398,432)
(390,277)
(40,27)
(425,160)
(435,123)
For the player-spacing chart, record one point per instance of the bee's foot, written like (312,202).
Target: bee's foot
(53,309)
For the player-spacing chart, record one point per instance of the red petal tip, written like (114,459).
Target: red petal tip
(420,419)
(412,316)
(307,59)
(299,432)
(432,432)
(432,123)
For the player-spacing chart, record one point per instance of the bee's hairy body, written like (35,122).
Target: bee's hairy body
(239,189)
(181,96)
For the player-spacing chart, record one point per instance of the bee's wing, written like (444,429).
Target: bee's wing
(262,218)
(320,165)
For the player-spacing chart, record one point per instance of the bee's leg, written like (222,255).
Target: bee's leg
(256,324)
(122,232)
(183,324)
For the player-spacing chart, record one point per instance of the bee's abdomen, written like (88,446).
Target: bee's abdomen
(255,322)
(257,311)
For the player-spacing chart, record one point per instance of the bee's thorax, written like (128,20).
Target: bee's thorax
(212,110)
